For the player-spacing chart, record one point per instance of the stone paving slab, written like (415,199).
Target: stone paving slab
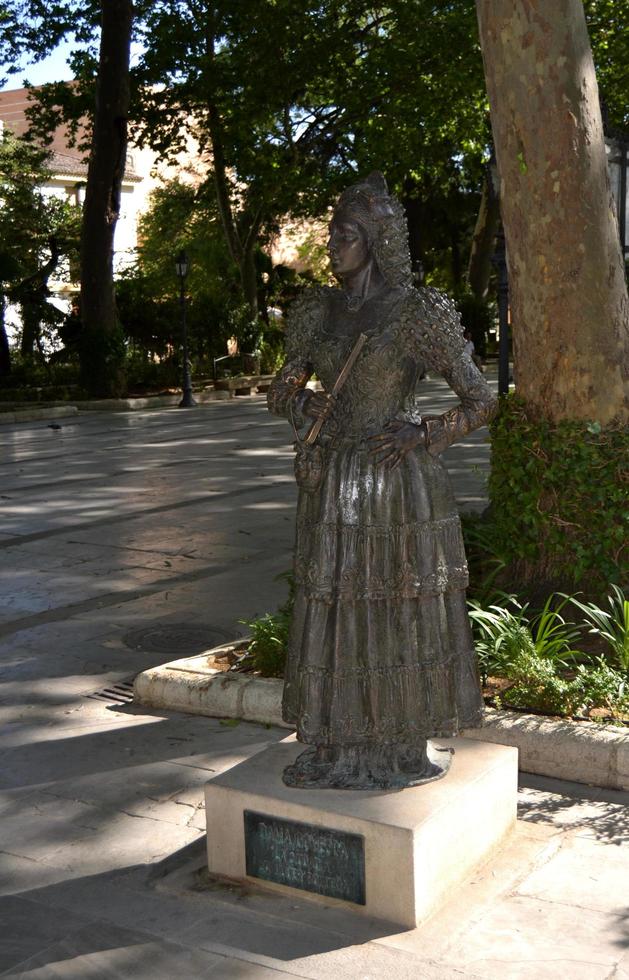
(96,796)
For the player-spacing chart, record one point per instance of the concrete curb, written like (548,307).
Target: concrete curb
(55,410)
(36,414)
(583,752)
(190,685)
(150,401)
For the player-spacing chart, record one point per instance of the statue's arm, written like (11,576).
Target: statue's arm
(477,405)
(437,339)
(288,393)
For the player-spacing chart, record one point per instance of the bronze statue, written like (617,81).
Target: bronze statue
(380,654)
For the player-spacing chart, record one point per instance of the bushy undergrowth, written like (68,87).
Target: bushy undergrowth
(543,655)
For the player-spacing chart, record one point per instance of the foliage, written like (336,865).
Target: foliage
(347,87)
(504,633)
(537,686)
(540,687)
(538,653)
(268,646)
(608,26)
(31,29)
(271,350)
(600,684)
(612,626)
(181,215)
(559,498)
(39,237)
(342,94)
(270,635)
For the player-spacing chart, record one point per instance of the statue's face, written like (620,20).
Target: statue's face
(347,246)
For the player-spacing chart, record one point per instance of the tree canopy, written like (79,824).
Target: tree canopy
(39,234)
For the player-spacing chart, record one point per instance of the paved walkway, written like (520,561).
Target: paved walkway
(129,540)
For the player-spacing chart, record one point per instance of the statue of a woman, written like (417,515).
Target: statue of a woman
(380,654)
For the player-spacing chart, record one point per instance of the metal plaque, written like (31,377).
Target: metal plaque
(302,855)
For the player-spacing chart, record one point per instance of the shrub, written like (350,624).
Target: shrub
(537,653)
(505,634)
(612,626)
(270,635)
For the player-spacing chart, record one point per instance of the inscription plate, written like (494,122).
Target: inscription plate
(302,855)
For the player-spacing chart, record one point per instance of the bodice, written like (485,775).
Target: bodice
(407,330)
(382,382)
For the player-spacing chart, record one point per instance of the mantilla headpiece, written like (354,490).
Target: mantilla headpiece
(382,217)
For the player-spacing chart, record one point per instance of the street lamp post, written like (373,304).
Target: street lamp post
(181,267)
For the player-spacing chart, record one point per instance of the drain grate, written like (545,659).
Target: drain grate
(176,639)
(120,693)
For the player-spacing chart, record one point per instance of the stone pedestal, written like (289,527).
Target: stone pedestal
(394,855)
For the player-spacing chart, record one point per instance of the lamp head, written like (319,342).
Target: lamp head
(181,265)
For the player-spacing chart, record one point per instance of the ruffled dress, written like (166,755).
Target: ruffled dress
(380,650)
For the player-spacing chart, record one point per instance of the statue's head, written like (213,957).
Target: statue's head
(374,227)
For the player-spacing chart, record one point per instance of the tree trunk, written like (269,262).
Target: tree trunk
(567,283)
(240,241)
(456,260)
(30,330)
(5,350)
(487,224)
(102,347)
(249,279)
(558,501)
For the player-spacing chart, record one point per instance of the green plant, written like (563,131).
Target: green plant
(499,637)
(506,633)
(600,686)
(540,687)
(268,645)
(537,685)
(536,652)
(612,626)
(270,635)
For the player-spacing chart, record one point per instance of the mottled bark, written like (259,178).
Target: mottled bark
(567,285)
(102,349)
(483,241)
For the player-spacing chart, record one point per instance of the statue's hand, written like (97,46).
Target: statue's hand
(398,439)
(317,404)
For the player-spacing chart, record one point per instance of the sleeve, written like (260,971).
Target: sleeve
(434,336)
(284,392)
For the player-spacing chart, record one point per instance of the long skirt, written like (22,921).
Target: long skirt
(380,649)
